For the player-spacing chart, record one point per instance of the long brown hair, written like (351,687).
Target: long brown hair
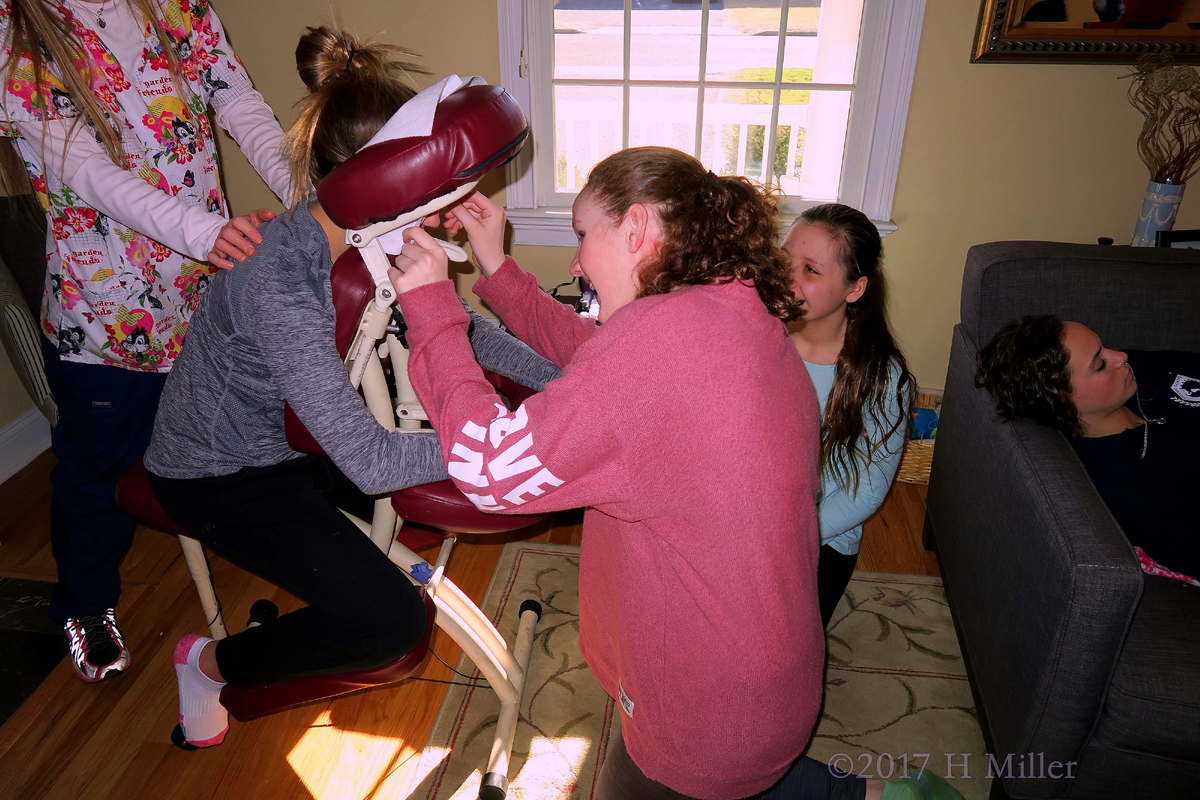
(869,353)
(35,29)
(354,88)
(713,228)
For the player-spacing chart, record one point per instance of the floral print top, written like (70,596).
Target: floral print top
(113,295)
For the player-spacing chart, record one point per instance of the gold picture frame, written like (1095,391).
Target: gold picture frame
(1086,31)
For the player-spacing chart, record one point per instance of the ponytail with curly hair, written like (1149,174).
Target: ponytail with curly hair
(714,228)
(1026,369)
(354,89)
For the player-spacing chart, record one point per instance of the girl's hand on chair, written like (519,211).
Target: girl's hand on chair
(483,221)
(421,261)
(237,238)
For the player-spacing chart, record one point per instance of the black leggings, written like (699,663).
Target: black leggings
(363,612)
(833,576)
(808,779)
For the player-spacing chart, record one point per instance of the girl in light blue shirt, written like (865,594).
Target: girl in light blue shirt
(863,385)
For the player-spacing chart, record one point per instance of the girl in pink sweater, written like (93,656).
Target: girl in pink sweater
(686,424)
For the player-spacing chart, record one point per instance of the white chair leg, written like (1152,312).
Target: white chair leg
(495,780)
(504,666)
(193,553)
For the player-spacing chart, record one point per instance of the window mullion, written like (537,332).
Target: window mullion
(703,70)
(769,140)
(625,75)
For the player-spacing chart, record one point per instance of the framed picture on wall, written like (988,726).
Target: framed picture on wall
(1086,31)
(1178,239)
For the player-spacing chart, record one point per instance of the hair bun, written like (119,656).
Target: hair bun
(324,54)
(354,88)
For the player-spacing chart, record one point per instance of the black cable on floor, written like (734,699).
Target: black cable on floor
(448,683)
(475,681)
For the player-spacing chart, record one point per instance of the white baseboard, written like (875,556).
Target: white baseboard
(21,441)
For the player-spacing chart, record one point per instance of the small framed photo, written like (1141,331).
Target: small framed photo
(1178,239)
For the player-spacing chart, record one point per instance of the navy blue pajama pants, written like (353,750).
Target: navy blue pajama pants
(105,417)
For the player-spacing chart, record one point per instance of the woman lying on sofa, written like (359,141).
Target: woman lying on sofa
(1137,440)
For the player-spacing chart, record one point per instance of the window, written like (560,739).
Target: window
(809,96)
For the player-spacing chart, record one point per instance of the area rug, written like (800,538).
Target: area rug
(566,719)
(895,689)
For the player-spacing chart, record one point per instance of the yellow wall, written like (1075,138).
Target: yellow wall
(13,400)
(991,151)
(449,35)
(998,152)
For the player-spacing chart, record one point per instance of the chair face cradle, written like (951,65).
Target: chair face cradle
(382,188)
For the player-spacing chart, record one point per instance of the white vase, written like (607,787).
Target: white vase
(1159,207)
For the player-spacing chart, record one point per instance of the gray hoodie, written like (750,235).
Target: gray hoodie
(263,335)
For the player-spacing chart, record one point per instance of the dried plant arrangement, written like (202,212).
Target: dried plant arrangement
(1168,96)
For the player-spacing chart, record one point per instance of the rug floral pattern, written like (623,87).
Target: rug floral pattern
(566,719)
(895,686)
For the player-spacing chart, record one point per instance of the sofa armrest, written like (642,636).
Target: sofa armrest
(1043,583)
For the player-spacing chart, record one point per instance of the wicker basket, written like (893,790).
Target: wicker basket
(917,459)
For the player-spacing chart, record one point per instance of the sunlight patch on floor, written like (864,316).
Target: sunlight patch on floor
(547,774)
(552,766)
(405,782)
(338,764)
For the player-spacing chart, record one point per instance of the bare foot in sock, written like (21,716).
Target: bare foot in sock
(203,721)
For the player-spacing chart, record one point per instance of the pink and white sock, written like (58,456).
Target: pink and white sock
(203,719)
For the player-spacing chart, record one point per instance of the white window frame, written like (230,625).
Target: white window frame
(887,57)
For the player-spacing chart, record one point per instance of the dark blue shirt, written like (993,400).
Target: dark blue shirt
(1155,498)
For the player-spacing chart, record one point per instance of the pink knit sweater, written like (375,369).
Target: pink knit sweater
(687,426)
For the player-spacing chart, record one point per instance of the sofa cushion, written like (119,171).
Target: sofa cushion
(1153,704)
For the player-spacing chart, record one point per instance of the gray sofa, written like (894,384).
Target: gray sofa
(1074,655)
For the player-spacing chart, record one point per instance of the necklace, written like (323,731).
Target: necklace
(97,12)
(1145,424)
(1146,433)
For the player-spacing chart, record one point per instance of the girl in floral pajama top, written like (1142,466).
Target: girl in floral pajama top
(128,178)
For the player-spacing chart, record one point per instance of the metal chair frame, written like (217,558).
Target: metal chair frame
(503,666)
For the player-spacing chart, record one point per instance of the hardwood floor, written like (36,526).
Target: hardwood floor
(892,537)
(111,740)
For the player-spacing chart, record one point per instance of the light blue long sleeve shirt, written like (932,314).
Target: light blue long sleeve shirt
(840,514)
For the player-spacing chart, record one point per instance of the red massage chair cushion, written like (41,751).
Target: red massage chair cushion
(475,130)
(136,498)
